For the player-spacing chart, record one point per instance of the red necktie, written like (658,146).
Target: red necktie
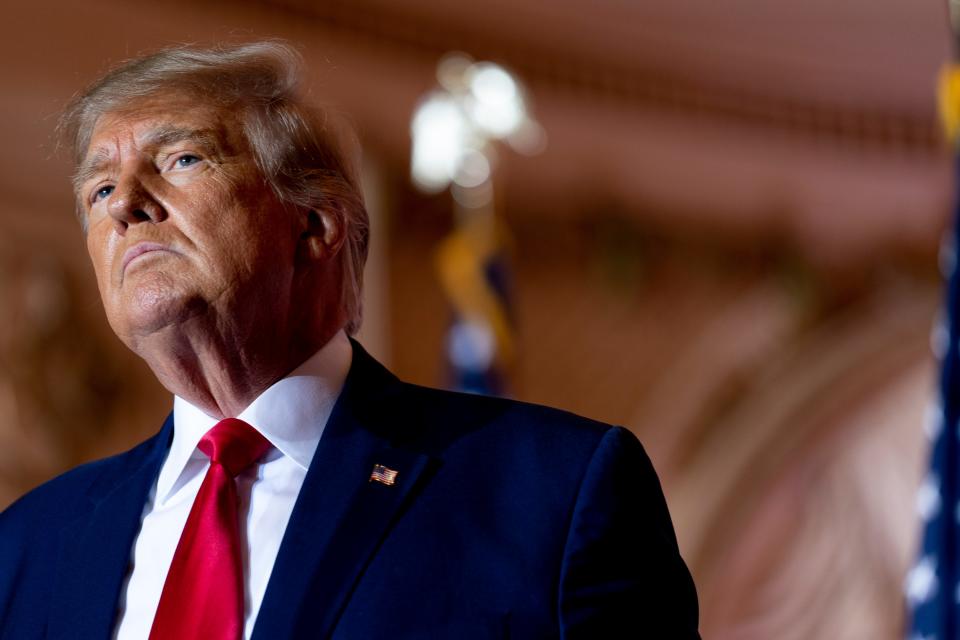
(203,596)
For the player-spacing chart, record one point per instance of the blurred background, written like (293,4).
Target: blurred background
(721,231)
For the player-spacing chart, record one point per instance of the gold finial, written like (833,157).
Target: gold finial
(949,101)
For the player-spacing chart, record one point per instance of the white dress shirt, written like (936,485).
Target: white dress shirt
(291,414)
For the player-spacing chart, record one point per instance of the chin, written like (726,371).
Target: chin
(151,307)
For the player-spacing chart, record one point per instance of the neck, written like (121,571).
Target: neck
(221,372)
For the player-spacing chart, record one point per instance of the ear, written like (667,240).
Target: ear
(323,233)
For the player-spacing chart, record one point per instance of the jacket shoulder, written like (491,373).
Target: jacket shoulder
(451,416)
(434,420)
(32,533)
(60,499)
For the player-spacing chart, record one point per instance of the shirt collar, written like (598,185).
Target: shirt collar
(291,414)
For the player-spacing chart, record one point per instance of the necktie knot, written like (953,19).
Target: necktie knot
(234,445)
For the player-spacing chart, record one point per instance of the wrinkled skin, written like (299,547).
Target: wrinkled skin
(221,288)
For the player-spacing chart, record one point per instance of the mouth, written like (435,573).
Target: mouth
(141,249)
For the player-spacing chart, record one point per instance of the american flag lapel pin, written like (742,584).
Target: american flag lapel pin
(383,475)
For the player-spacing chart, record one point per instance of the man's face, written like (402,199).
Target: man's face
(181,224)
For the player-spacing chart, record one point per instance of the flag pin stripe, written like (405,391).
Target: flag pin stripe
(383,475)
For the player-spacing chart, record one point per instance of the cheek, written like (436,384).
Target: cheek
(216,207)
(259,228)
(238,225)
(99,248)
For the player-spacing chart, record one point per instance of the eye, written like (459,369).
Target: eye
(102,192)
(186,160)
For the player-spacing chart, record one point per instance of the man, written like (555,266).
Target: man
(298,489)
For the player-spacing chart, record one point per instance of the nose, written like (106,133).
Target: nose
(131,203)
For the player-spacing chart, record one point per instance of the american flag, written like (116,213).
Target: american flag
(932,585)
(473,264)
(383,475)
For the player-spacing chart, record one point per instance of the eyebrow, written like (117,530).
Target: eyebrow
(160,137)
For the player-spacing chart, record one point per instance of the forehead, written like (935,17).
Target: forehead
(143,119)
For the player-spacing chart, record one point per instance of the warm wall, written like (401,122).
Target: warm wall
(729,246)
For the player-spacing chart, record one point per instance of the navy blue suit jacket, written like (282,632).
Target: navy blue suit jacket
(507,520)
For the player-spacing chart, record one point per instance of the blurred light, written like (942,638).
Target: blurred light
(477,102)
(473,169)
(440,132)
(496,106)
(453,70)
(529,139)
(478,197)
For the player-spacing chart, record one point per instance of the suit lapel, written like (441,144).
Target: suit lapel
(95,548)
(341,515)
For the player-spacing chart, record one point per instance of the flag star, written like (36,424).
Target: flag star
(928,498)
(921,583)
(931,588)
(933,421)
(939,341)
(947,257)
